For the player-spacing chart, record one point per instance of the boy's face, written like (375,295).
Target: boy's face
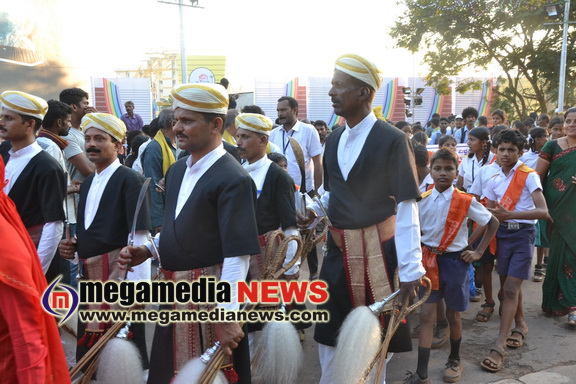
(443,173)
(450,144)
(507,154)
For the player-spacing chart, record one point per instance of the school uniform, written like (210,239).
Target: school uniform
(470,167)
(444,237)
(515,238)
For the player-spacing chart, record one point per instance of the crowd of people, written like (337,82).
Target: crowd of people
(224,180)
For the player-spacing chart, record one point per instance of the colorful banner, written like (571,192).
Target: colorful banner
(486,99)
(335,120)
(390,99)
(112,98)
(291,88)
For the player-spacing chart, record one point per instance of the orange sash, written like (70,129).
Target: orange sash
(456,214)
(512,194)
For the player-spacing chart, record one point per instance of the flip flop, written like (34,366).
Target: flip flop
(488,361)
(484,317)
(516,342)
(572,319)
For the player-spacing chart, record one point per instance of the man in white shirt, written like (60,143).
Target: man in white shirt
(307,136)
(106,209)
(209,229)
(31,172)
(370,175)
(470,116)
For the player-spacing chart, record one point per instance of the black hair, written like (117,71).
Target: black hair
(146,129)
(513,137)
(435,121)
(571,110)
(500,113)
(421,156)
(533,116)
(446,138)
(483,121)
(495,131)
(37,121)
(56,110)
(277,157)
(402,124)
(73,96)
(544,117)
(434,115)
(444,119)
(558,120)
(129,102)
(230,118)
(521,126)
(154,127)
(417,127)
(253,109)
(292,102)
(420,138)
(470,111)
(529,122)
(224,82)
(444,154)
(482,134)
(535,133)
(130,136)
(136,143)
(320,123)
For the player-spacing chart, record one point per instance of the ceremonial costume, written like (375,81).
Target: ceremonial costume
(30,347)
(105,214)
(369,176)
(35,182)
(209,229)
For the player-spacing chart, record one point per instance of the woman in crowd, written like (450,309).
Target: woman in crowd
(557,168)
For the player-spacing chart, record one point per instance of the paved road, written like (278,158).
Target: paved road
(547,357)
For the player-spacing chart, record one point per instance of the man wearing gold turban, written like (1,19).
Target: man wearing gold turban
(106,209)
(209,229)
(371,187)
(32,173)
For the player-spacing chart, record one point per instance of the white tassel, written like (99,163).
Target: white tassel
(192,371)
(278,356)
(359,340)
(120,363)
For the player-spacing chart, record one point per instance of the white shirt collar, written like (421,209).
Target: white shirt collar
(518,164)
(257,164)
(447,194)
(31,150)
(109,170)
(217,152)
(296,127)
(366,123)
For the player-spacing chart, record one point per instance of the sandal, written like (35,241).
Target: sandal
(572,319)
(482,316)
(516,342)
(490,365)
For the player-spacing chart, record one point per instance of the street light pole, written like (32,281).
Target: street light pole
(183,64)
(562,82)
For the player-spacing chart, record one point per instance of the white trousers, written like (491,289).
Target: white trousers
(327,356)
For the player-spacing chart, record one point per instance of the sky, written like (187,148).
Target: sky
(260,38)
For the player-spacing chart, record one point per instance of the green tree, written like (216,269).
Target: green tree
(461,34)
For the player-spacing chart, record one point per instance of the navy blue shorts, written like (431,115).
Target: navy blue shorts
(514,251)
(454,282)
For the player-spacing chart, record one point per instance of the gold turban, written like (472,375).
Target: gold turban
(204,98)
(24,104)
(104,122)
(254,122)
(361,69)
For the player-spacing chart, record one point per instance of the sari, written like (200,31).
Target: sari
(559,288)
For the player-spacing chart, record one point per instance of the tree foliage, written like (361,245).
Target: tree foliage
(461,34)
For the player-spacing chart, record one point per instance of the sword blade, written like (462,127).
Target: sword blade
(140,201)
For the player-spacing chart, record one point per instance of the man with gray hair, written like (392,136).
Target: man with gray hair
(160,154)
(132,120)
(229,133)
